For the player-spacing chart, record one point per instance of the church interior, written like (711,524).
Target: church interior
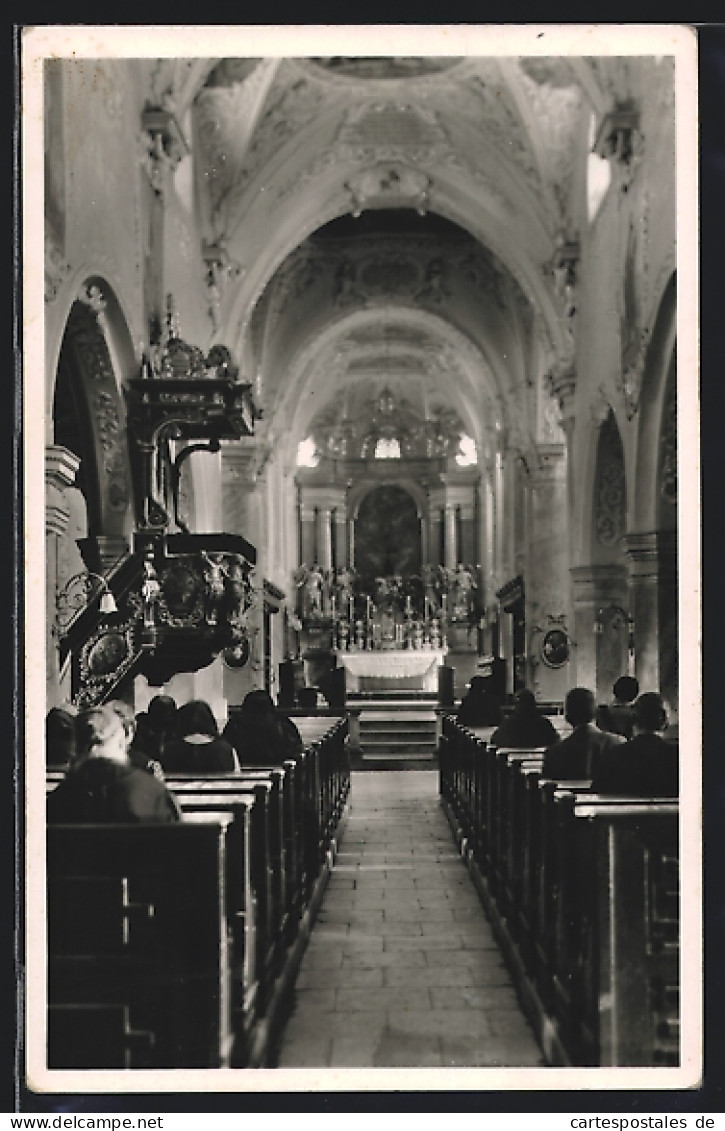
(360,376)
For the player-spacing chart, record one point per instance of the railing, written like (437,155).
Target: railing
(583,891)
(241,874)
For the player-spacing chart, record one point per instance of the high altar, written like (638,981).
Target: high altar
(376,671)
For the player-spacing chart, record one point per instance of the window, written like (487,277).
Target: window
(307,455)
(599,174)
(466,454)
(387,447)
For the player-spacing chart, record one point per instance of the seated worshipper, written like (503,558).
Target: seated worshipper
(59,737)
(646,766)
(156,726)
(576,757)
(525,728)
(198,747)
(262,735)
(136,757)
(617,717)
(480,706)
(101,785)
(310,699)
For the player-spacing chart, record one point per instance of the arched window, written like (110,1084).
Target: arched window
(599,175)
(387,447)
(466,454)
(307,455)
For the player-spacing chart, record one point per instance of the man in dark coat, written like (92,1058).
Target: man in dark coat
(526,728)
(646,766)
(576,757)
(480,706)
(101,785)
(617,717)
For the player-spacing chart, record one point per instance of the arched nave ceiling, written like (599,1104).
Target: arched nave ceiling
(284,146)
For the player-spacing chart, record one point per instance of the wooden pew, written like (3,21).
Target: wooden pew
(146,953)
(559,864)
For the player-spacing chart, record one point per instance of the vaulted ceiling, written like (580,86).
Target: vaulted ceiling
(390,222)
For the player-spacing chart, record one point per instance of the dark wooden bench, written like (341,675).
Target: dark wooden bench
(584,891)
(146,949)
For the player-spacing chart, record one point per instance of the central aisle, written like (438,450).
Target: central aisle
(402,969)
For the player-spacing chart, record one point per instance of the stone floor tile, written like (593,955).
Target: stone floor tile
(402,969)
(488,998)
(319,999)
(390,956)
(323,956)
(312,1052)
(361,942)
(470,1023)
(320,978)
(362,1000)
(490,1053)
(427,976)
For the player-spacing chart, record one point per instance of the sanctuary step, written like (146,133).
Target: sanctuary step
(397,731)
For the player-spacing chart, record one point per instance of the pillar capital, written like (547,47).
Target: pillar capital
(651,554)
(61,466)
(561,382)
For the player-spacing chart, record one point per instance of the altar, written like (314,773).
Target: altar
(392,670)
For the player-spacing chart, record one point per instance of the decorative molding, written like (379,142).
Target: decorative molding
(610,493)
(57,268)
(668,446)
(390,183)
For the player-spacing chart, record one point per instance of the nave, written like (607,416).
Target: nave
(402,969)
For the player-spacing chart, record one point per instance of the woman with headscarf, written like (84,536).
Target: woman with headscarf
(526,727)
(198,747)
(262,735)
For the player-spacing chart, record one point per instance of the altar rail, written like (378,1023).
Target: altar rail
(583,891)
(175,946)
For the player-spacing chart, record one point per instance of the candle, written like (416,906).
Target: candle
(352,609)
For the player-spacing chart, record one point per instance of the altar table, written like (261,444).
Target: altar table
(375,670)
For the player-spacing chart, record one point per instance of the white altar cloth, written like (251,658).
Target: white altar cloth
(393,665)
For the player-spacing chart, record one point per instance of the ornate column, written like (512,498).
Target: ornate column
(239,478)
(450,546)
(61,466)
(307,516)
(341,558)
(324,537)
(436,503)
(653,605)
(595,587)
(547,576)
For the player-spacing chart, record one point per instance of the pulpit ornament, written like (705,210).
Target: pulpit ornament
(620,141)
(610,497)
(165,142)
(633,366)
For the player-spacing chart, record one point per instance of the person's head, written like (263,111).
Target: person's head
(258,703)
(650,713)
(580,706)
(625,689)
(525,702)
(99,733)
(59,736)
(478,685)
(197,717)
(127,717)
(161,712)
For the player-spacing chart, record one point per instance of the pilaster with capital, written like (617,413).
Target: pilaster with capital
(61,466)
(600,655)
(547,573)
(653,594)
